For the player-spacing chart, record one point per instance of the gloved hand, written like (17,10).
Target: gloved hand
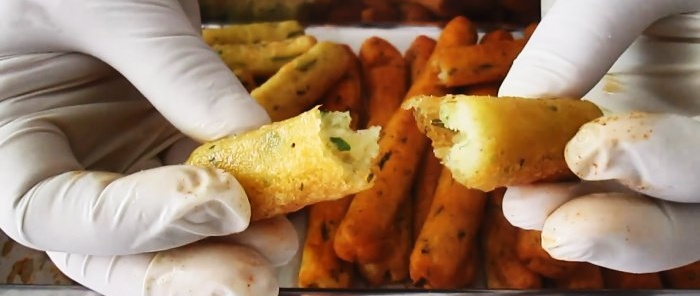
(98,103)
(638,207)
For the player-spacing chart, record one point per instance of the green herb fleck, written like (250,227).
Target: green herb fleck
(295,33)
(340,144)
(283,58)
(303,66)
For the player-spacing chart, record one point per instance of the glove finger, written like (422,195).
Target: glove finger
(577,41)
(275,238)
(629,233)
(211,269)
(153,44)
(108,214)
(528,206)
(650,153)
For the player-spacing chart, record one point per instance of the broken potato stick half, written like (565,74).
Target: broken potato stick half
(299,84)
(252,33)
(264,59)
(489,142)
(287,165)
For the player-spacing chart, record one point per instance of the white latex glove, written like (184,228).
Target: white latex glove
(638,208)
(95,97)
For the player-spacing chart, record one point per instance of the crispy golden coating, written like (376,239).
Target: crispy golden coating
(264,59)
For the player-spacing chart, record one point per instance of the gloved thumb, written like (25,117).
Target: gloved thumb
(578,41)
(155,46)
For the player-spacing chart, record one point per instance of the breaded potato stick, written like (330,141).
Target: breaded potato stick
(368,222)
(394,267)
(502,265)
(441,8)
(417,55)
(530,251)
(496,35)
(460,31)
(320,266)
(622,280)
(685,277)
(586,276)
(448,236)
(299,84)
(287,165)
(253,33)
(474,64)
(490,142)
(529,30)
(347,94)
(412,13)
(385,76)
(246,78)
(424,189)
(489,88)
(266,58)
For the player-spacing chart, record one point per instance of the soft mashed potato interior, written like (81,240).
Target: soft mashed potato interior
(355,149)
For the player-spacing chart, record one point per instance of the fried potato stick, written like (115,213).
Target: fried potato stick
(448,236)
(468,65)
(320,266)
(299,84)
(417,55)
(503,268)
(368,223)
(394,267)
(586,276)
(496,35)
(622,280)
(246,78)
(266,58)
(530,251)
(252,33)
(385,76)
(685,277)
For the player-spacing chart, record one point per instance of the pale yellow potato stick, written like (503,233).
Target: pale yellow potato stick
(299,84)
(252,33)
(266,58)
